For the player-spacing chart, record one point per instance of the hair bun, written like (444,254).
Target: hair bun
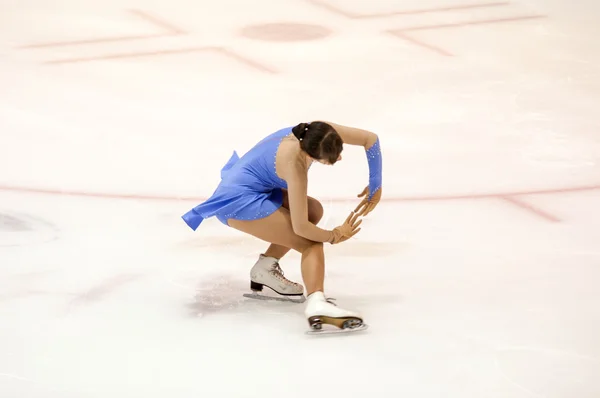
(300,130)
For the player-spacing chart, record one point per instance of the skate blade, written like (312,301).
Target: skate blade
(360,328)
(290,299)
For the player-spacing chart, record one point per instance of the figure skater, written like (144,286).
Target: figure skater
(264,194)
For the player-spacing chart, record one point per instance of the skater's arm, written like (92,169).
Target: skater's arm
(296,177)
(370,141)
(355,136)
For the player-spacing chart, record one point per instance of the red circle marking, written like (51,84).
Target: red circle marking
(285,32)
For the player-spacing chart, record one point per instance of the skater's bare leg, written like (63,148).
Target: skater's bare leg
(277,229)
(315,213)
(313,268)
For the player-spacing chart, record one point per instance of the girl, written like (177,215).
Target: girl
(264,194)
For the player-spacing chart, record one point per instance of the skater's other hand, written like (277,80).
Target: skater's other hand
(367,205)
(347,230)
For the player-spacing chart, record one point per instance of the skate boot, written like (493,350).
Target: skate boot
(266,272)
(320,310)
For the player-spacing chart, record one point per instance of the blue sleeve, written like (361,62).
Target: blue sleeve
(375,167)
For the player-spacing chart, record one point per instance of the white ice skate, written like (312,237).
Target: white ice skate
(267,273)
(320,310)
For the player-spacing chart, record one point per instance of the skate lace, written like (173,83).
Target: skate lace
(278,272)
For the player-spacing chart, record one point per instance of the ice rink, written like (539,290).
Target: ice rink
(478,273)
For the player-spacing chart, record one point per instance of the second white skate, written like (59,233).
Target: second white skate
(321,311)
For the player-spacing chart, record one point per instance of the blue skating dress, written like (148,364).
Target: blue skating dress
(249,189)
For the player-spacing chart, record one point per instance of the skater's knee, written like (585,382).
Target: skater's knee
(310,246)
(315,211)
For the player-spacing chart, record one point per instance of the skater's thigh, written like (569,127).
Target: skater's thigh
(275,228)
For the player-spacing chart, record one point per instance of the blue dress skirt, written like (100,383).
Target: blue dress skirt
(249,189)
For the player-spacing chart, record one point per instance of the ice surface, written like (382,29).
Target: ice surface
(478,273)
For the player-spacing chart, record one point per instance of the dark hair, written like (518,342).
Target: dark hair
(319,140)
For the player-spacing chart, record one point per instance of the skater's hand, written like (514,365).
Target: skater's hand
(366,205)
(347,230)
